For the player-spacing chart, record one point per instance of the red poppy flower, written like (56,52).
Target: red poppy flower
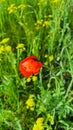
(30,66)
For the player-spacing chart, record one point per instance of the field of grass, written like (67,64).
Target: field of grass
(42,28)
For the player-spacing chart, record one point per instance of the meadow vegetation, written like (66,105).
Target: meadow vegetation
(43,28)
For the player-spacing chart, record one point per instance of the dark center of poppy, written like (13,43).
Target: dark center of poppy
(35,59)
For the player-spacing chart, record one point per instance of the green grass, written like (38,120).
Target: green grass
(45,28)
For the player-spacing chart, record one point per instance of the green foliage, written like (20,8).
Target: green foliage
(43,29)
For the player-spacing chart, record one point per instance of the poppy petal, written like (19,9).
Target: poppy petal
(29,66)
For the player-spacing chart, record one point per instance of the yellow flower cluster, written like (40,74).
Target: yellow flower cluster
(46,23)
(6,49)
(5,40)
(20,45)
(51,58)
(12,8)
(3,46)
(50,118)
(39,124)
(38,24)
(21,6)
(41,23)
(48,16)
(28,79)
(33,78)
(46,56)
(46,63)
(30,103)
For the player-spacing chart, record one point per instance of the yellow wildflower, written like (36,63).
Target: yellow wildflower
(12,8)
(21,6)
(38,24)
(39,21)
(46,63)
(30,103)
(1,49)
(8,48)
(37,127)
(32,108)
(20,45)
(51,58)
(46,56)
(28,79)
(5,40)
(46,23)
(50,16)
(39,124)
(50,118)
(34,78)
(39,120)
(45,16)
(24,48)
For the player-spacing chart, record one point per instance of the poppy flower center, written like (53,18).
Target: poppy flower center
(35,59)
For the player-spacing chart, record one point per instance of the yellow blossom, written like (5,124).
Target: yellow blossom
(21,6)
(46,23)
(20,45)
(51,58)
(45,16)
(34,78)
(46,63)
(50,118)
(12,8)
(50,16)
(39,120)
(30,103)
(8,48)
(24,48)
(32,108)
(39,124)
(1,49)
(38,24)
(5,40)
(46,56)
(37,127)
(39,21)
(28,79)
